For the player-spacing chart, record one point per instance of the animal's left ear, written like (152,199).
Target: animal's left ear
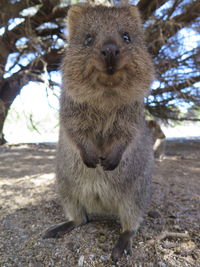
(151,123)
(73,17)
(135,13)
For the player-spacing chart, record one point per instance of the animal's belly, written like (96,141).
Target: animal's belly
(95,193)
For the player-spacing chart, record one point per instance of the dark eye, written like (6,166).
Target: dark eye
(88,39)
(126,37)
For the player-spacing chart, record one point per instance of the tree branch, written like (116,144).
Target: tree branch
(47,13)
(176,87)
(160,32)
(147,7)
(14,9)
(11,86)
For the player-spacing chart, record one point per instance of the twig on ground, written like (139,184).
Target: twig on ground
(166,234)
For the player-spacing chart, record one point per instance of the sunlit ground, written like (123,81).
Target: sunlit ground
(22,187)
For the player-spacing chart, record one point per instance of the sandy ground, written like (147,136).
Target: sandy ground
(29,204)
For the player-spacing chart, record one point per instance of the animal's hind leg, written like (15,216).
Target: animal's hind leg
(123,244)
(130,221)
(59,230)
(77,217)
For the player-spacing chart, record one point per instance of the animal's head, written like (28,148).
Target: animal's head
(106,60)
(156,130)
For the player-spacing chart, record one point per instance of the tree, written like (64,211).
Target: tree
(32,42)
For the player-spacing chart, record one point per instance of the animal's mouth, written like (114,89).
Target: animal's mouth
(107,83)
(108,80)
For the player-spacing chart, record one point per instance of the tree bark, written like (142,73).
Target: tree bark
(147,7)
(3,114)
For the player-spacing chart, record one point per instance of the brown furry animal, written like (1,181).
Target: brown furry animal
(104,159)
(159,141)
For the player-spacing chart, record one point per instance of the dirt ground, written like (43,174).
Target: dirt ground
(29,204)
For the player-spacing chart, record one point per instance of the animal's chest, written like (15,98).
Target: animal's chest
(101,124)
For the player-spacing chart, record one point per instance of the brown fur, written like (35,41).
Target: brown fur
(104,161)
(159,141)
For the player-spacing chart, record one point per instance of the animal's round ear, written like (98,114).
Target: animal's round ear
(73,17)
(135,13)
(74,12)
(151,123)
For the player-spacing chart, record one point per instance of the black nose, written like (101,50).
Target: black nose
(110,53)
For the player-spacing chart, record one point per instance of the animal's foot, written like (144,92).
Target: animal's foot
(123,245)
(59,230)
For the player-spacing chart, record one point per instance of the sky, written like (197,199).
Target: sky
(32,105)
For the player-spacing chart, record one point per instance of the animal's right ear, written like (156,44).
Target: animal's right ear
(135,15)
(151,123)
(73,17)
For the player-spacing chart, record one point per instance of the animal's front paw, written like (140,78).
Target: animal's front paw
(111,156)
(89,156)
(110,162)
(90,161)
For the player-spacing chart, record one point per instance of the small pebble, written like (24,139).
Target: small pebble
(162,264)
(104,258)
(177,227)
(102,238)
(92,256)
(81,261)
(91,230)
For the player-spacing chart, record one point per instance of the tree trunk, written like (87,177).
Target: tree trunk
(3,114)
(9,89)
